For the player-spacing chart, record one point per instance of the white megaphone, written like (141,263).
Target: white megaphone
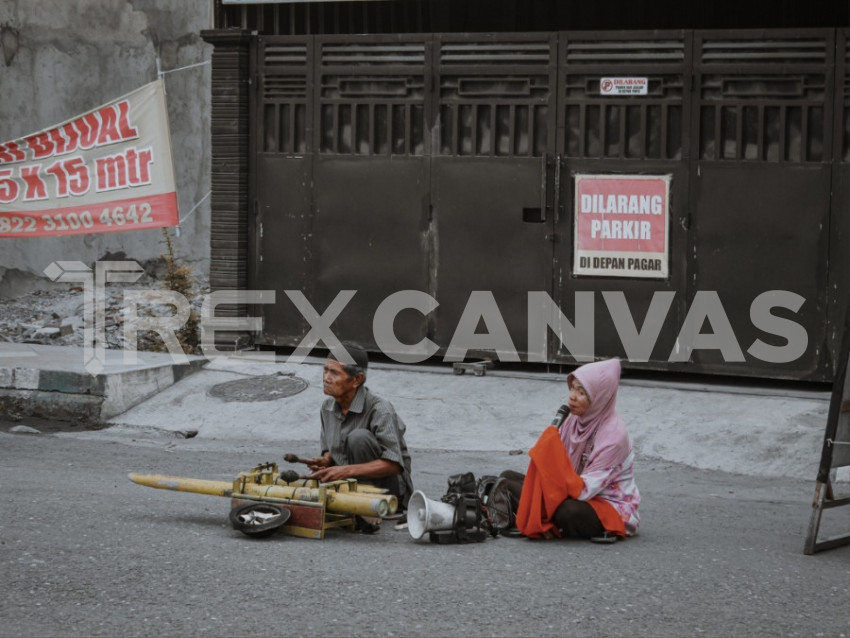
(425,515)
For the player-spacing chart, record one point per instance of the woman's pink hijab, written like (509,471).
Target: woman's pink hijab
(601,424)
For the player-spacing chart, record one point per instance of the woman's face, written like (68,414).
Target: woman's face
(578,402)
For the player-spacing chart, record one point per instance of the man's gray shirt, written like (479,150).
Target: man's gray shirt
(375,414)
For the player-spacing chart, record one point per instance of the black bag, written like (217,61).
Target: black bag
(493,502)
(498,503)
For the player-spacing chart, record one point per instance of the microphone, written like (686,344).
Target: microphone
(562,413)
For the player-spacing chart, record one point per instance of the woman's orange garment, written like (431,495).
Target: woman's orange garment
(549,481)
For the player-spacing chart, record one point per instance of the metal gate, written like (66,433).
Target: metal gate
(370,181)
(496,132)
(839,226)
(342,180)
(625,135)
(447,164)
(761,183)
(282,120)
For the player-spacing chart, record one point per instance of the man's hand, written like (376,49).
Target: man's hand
(318,463)
(333,473)
(377,468)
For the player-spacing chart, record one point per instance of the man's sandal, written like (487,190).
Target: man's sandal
(366,524)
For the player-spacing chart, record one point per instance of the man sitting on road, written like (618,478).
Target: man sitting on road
(362,436)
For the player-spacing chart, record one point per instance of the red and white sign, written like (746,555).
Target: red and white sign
(105,171)
(621,225)
(623,86)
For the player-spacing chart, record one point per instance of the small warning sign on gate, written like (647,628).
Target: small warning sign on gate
(623,86)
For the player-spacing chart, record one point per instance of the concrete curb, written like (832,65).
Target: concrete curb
(51,382)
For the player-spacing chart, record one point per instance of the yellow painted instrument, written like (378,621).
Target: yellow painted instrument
(310,507)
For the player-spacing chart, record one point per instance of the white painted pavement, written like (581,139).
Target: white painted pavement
(713,427)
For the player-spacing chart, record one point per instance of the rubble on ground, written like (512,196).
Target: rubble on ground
(57,316)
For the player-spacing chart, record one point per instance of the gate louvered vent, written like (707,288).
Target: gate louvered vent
(648,126)
(284,98)
(764,51)
(285,71)
(381,53)
(494,53)
(763,99)
(495,97)
(371,98)
(289,54)
(612,52)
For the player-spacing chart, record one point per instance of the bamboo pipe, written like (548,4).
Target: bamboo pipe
(361,504)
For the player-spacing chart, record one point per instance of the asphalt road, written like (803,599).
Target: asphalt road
(86,552)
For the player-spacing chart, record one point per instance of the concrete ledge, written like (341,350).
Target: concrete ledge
(77,408)
(19,378)
(51,382)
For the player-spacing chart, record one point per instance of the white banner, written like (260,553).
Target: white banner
(107,170)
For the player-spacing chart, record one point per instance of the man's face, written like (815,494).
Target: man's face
(336,382)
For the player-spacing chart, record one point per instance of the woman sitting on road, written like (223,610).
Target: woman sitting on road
(580,481)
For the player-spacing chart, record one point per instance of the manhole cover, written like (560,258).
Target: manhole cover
(266,388)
